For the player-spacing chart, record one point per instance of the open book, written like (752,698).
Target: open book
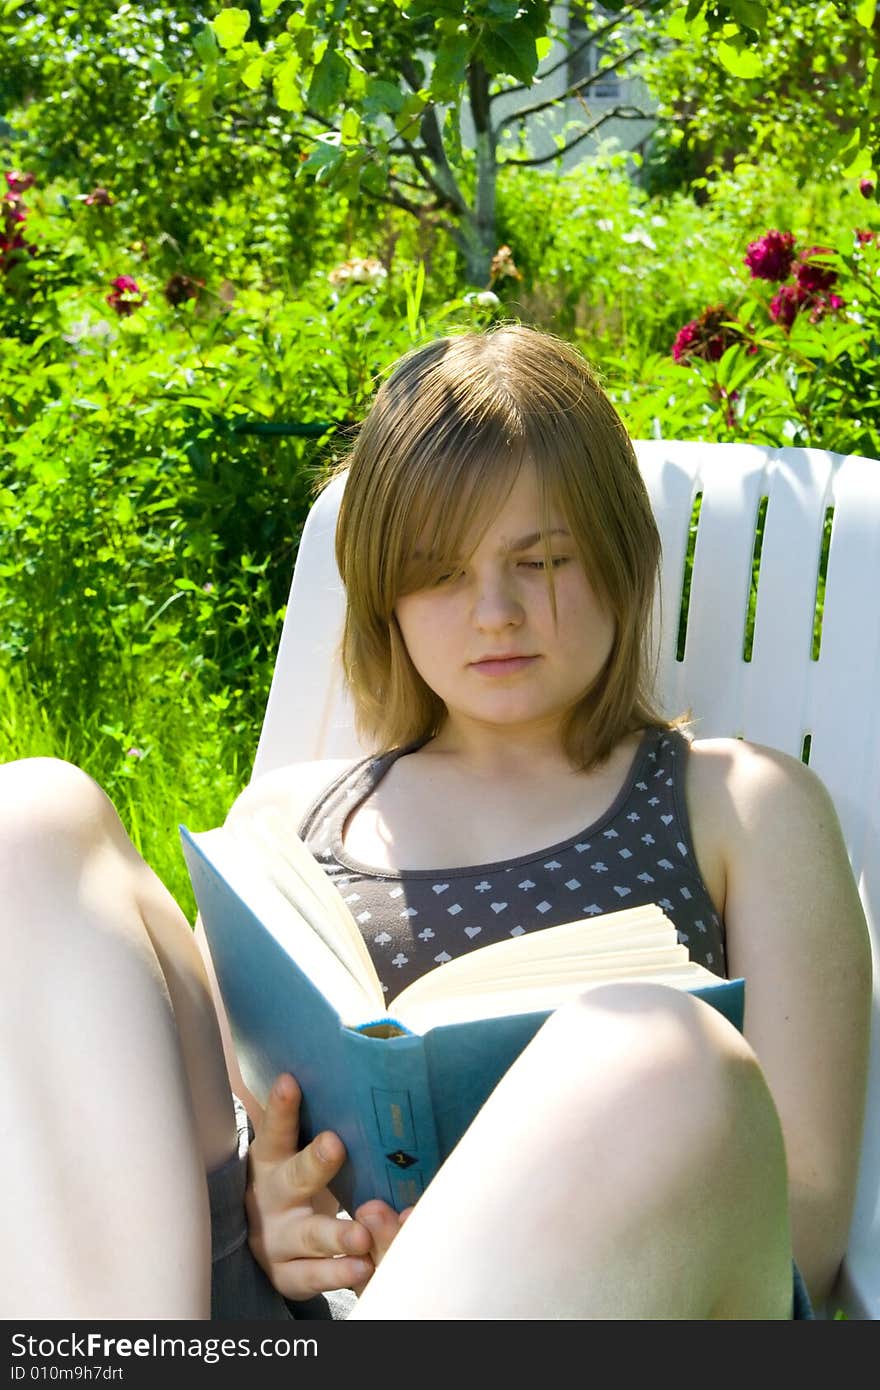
(398,1079)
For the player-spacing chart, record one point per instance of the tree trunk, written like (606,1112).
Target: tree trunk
(477,237)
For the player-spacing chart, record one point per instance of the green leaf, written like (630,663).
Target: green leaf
(325,158)
(351,126)
(450,67)
(230,26)
(159,71)
(509,50)
(865,12)
(749,13)
(739,62)
(329,81)
(205,45)
(285,84)
(374,177)
(252,76)
(382,96)
(503,9)
(269,7)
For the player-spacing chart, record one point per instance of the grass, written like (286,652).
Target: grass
(171,760)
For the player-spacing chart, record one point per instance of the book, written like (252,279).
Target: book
(400,1079)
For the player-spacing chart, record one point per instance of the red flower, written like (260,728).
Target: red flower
(17,182)
(813,276)
(126,295)
(14,211)
(863,236)
(179,288)
(707,337)
(866,187)
(793,299)
(821,304)
(771,256)
(786,304)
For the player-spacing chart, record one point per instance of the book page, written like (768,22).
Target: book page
(563,949)
(242,868)
(572,968)
(423,1014)
(294,870)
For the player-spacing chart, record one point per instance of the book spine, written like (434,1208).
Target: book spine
(398,1152)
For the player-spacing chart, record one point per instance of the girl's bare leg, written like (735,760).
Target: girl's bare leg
(112,1080)
(629,1165)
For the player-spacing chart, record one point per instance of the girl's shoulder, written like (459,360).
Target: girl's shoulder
(734,777)
(290,790)
(751,805)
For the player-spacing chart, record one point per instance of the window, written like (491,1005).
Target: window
(587,61)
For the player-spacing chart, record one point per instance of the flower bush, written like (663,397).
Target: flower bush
(797,366)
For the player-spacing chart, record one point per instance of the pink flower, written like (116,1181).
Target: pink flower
(813,276)
(771,256)
(793,299)
(126,295)
(18,182)
(707,336)
(99,197)
(821,304)
(866,187)
(14,211)
(786,304)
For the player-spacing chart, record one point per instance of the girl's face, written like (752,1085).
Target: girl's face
(496,603)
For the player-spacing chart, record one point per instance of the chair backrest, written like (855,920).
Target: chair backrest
(768,685)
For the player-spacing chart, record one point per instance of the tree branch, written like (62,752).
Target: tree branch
(574,91)
(625,113)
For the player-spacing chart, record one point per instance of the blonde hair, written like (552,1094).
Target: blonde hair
(442,445)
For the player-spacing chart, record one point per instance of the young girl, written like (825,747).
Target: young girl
(641,1159)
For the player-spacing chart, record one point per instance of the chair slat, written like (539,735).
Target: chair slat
(776,686)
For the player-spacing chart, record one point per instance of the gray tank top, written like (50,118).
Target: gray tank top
(638,851)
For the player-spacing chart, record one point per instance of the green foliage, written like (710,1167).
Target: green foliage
(793,82)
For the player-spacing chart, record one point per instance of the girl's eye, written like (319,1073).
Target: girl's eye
(539,564)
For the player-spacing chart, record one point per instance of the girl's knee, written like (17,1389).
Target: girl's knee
(667,1069)
(48,797)
(54,819)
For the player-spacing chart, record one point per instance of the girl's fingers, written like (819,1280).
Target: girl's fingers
(321,1237)
(304,1278)
(278,1133)
(383,1224)
(308,1172)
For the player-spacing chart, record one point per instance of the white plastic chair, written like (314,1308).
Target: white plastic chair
(781,696)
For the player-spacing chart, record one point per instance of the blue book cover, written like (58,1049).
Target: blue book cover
(399,1095)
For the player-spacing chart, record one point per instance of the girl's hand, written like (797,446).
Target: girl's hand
(383,1223)
(303,1248)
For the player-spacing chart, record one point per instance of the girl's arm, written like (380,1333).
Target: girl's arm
(797,933)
